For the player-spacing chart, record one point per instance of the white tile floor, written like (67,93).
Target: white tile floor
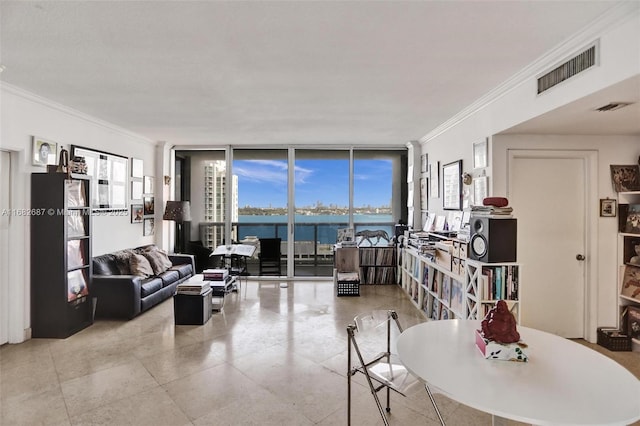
(274,356)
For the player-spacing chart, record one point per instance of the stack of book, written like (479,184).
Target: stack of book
(215,274)
(194,288)
(492,211)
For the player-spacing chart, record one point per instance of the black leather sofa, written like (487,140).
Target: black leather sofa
(122,291)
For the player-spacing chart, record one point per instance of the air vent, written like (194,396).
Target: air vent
(612,106)
(573,66)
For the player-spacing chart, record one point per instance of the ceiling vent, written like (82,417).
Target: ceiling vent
(612,106)
(573,66)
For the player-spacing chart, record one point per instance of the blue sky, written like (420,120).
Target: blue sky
(263,183)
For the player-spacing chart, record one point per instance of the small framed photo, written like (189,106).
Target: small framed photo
(608,207)
(148,227)
(423,163)
(480,154)
(137,213)
(149,208)
(45,152)
(148,184)
(136,189)
(137,167)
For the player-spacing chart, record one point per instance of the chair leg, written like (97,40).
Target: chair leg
(348,376)
(433,402)
(350,330)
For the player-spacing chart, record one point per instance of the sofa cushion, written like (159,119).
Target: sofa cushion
(169,277)
(122,261)
(105,265)
(149,286)
(184,270)
(140,265)
(158,259)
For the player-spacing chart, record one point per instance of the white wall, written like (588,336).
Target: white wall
(24,115)
(517,102)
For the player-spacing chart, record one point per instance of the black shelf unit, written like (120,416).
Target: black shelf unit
(61,267)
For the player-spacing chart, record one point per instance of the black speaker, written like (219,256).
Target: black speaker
(493,240)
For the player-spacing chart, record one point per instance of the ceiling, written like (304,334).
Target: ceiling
(210,73)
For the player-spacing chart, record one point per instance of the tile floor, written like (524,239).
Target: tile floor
(274,356)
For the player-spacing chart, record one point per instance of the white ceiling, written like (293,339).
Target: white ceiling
(204,73)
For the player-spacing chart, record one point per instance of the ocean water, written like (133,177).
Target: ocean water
(321,228)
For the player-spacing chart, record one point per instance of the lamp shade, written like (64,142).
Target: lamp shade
(178,211)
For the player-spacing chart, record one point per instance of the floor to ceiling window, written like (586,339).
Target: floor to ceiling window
(262,195)
(242,195)
(377,190)
(321,191)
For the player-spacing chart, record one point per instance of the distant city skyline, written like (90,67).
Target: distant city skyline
(263,183)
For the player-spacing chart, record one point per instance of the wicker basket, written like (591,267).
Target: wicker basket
(612,340)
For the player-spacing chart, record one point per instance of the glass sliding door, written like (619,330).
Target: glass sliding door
(261,179)
(379,200)
(321,191)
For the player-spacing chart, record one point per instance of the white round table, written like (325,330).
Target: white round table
(563,382)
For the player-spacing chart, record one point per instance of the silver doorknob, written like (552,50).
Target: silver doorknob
(579,257)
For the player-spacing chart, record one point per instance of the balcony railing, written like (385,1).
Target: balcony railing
(313,241)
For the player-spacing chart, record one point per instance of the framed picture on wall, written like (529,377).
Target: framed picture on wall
(608,207)
(136,189)
(434,179)
(148,185)
(148,227)
(45,152)
(137,213)
(109,184)
(480,154)
(149,207)
(424,196)
(137,167)
(480,185)
(452,186)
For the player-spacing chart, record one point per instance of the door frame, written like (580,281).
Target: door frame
(590,161)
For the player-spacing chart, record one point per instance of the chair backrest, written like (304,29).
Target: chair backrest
(376,328)
(347,259)
(270,248)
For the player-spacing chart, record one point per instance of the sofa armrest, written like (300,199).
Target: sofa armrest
(118,295)
(184,259)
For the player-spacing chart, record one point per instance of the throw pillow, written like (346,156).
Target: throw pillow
(122,261)
(159,261)
(140,265)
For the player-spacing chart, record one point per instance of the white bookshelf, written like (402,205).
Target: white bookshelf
(626,242)
(433,286)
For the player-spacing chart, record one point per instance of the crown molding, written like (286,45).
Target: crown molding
(32,97)
(591,33)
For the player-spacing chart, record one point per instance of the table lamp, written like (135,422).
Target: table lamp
(179,212)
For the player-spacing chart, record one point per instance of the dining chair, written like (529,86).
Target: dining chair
(269,259)
(383,370)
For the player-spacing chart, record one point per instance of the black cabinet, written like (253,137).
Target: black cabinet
(60,254)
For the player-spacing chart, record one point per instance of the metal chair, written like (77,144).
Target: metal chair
(384,370)
(269,258)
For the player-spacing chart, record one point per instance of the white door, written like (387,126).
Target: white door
(547,193)
(5,185)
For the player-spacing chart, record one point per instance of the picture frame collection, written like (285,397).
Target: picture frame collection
(142,198)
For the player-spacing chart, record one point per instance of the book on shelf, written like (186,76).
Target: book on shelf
(630,287)
(457,297)
(446,289)
(632,222)
(633,321)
